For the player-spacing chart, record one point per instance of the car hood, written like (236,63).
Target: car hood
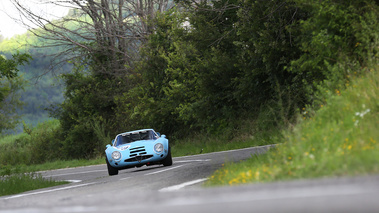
(137,143)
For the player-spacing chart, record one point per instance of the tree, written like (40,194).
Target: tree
(229,63)
(104,34)
(8,68)
(268,32)
(10,83)
(186,70)
(338,37)
(165,79)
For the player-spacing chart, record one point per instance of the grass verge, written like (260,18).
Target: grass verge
(18,183)
(22,178)
(60,164)
(340,139)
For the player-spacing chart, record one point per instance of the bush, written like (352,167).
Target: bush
(87,140)
(42,144)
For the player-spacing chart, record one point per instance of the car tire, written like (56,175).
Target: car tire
(111,170)
(168,160)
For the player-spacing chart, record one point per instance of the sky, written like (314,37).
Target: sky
(9,28)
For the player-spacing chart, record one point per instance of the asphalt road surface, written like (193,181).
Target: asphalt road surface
(178,188)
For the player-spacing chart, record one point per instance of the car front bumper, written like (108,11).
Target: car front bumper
(136,156)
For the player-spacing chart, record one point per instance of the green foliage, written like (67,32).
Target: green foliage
(8,68)
(218,69)
(165,78)
(186,73)
(209,66)
(340,139)
(86,113)
(39,144)
(9,85)
(10,102)
(267,32)
(212,34)
(339,37)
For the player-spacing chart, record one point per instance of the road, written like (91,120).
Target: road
(178,188)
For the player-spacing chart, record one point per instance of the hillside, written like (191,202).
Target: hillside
(339,139)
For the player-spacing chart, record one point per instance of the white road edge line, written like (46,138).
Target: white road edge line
(180,186)
(153,173)
(47,191)
(227,151)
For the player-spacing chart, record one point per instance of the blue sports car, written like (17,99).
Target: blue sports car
(137,148)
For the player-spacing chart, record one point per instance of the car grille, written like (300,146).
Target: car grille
(137,151)
(138,158)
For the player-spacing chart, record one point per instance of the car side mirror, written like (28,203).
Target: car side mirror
(159,134)
(163,136)
(108,145)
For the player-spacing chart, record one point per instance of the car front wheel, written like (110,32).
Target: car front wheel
(168,160)
(111,170)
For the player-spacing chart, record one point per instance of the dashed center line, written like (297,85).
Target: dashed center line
(125,178)
(74,181)
(171,168)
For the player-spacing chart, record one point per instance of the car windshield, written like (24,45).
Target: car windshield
(135,136)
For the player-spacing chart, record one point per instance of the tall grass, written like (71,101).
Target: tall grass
(18,183)
(8,139)
(340,139)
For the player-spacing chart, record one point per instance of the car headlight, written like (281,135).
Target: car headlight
(116,155)
(158,148)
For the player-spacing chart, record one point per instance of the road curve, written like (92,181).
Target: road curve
(178,189)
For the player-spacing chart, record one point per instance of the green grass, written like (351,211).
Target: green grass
(18,183)
(21,178)
(60,164)
(200,144)
(341,139)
